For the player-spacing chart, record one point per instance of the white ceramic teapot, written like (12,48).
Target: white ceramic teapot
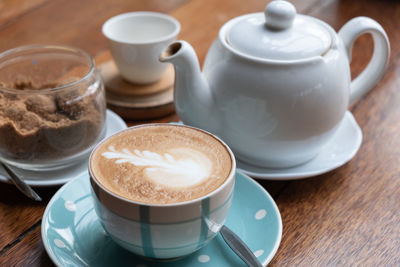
(275,85)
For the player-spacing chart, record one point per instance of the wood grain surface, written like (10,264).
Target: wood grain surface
(348,217)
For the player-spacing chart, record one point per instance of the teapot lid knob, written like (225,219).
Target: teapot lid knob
(279,34)
(279,15)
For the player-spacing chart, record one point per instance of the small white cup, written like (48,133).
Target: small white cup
(136,39)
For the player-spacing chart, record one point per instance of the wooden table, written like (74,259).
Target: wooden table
(348,217)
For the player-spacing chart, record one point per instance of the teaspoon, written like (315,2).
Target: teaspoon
(21,185)
(239,247)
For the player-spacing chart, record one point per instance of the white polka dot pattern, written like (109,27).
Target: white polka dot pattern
(204,258)
(59,243)
(258,253)
(260,214)
(69,205)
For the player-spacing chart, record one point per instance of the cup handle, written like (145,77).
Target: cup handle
(376,66)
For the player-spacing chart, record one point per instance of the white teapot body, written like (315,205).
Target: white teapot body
(273,113)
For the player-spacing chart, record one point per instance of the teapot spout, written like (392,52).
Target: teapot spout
(192,96)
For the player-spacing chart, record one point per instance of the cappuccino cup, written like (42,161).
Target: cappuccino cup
(162,190)
(136,39)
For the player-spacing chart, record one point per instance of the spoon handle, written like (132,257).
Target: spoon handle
(239,247)
(21,185)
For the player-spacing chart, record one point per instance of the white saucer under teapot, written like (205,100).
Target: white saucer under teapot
(275,85)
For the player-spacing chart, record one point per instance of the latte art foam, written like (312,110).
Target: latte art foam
(161,163)
(183,167)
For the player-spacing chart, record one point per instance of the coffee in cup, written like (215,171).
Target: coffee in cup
(161,164)
(162,190)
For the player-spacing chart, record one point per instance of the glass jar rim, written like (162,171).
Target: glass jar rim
(26,48)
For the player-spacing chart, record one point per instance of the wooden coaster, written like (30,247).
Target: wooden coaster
(138,102)
(142,107)
(118,86)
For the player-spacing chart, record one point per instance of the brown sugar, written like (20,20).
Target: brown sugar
(41,127)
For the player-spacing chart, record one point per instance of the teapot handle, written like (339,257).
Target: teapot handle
(376,66)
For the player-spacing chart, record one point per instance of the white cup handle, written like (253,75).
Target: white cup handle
(376,67)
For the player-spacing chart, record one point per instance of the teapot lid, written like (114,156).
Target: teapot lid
(280,34)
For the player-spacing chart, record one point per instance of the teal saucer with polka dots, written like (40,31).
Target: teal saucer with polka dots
(73,236)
